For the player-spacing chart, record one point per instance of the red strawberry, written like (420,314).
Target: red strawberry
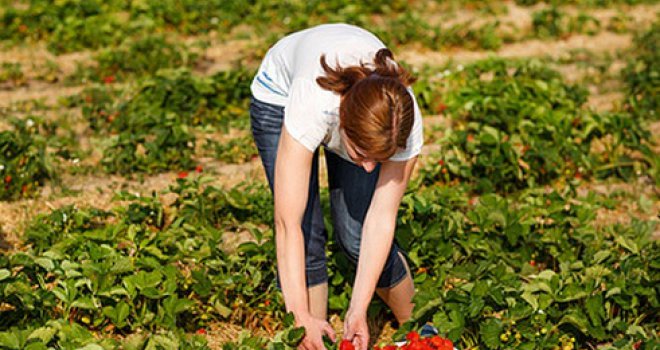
(182,175)
(199,168)
(412,336)
(447,345)
(109,79)
(201,331)
(8,179)
(267,302)
(470,138)
(532,262)
(346,345)
(437,341)
(441,162)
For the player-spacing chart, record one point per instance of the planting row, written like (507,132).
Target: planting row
(529,272)
(74,25)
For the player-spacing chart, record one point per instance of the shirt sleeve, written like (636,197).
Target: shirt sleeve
(416,137)
(304,121)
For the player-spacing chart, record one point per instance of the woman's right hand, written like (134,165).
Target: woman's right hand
(314,330)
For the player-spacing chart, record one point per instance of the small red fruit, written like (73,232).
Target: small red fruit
(109,79)
(8,179)
(267,302)
(437,341)
(412,336)
(532,262)
(441,107)
(201,331)
(182,175)
(346,345)
(441,162)
(470,138)
(199,168)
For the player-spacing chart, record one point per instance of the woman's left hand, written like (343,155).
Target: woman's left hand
(356,329)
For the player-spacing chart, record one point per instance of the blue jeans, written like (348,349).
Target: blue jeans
(351,190)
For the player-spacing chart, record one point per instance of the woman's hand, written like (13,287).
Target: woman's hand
(356,329)
(314,330)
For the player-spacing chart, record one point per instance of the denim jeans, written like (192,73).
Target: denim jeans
(351,190)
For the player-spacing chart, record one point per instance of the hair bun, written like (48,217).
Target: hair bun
(341,79)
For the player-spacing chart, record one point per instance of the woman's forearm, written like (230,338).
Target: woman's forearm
(290,249)
(375,246)
(378,229)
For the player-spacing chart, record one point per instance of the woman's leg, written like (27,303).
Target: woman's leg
(399,297)
(351,190)
(266,123)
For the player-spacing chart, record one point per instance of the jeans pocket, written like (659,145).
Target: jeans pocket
(265,118)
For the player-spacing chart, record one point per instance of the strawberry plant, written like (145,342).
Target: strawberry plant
(75,33)
(235,150)
(24,164)
(135,56)
(135,267)
(642,75)
(12,73)
(530,273)
(409,27)
(152,124)
(554,23)
(520,125)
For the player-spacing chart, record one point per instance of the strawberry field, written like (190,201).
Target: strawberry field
(135,213)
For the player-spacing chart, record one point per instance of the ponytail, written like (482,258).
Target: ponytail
(341,79)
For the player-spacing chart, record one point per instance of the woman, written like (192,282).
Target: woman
(338,86)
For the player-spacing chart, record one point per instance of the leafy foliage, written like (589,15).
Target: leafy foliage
(532,272)
(519,125)
(24,163)
(642,75)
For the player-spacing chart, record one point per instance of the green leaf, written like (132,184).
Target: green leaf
(223,310)
(577,319)
(46,263)
(4,274)
(84,303)
(595,309)
(627,244)
(45,334)
(490,333)
(10,340)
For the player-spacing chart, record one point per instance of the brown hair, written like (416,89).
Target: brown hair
(376,111)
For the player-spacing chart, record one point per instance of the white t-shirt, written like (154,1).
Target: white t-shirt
(287,77)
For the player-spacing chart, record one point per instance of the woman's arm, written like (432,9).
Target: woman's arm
(292,170)
(378,229)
